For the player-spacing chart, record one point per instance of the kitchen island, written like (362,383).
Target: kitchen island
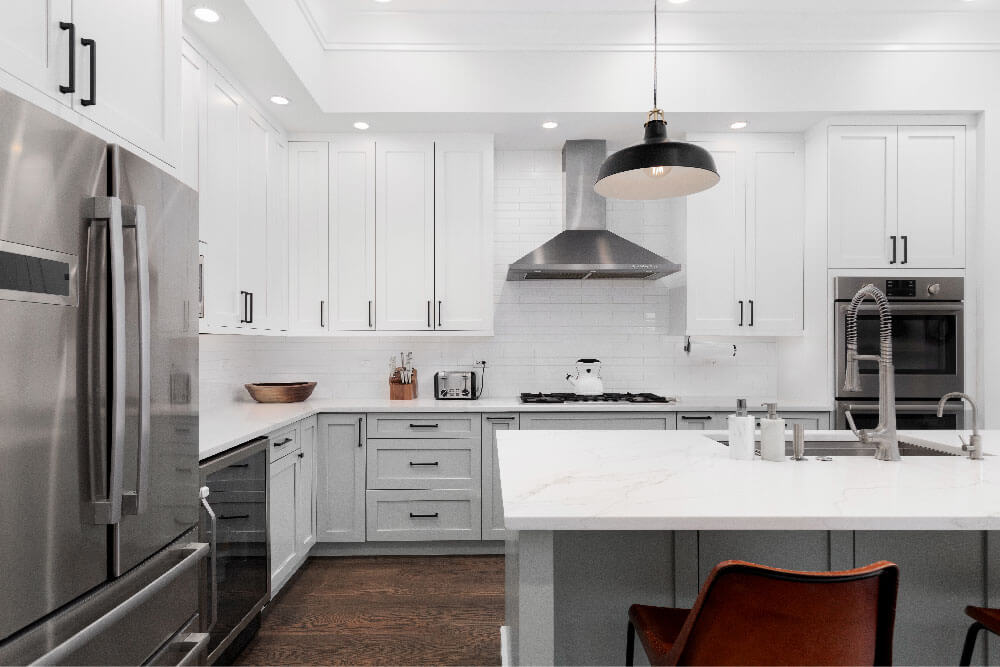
(599,520)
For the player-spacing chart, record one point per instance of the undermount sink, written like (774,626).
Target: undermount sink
(854,448)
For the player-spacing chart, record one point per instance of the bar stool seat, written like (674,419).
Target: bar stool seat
(986,618)
(749,614)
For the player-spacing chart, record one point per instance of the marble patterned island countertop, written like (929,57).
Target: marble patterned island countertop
(684,480)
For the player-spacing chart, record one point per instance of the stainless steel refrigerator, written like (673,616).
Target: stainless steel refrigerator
(99,556)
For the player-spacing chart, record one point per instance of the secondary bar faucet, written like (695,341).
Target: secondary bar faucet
(884,434)
(975,444)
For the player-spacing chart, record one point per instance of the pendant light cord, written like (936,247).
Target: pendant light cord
(656,45)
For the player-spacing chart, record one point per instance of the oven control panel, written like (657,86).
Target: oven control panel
(900,288)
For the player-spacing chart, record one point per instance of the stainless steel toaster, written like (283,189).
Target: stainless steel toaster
(456,385)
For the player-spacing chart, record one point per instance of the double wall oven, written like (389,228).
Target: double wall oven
(927,350)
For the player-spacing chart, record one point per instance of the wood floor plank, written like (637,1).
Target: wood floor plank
(385,610)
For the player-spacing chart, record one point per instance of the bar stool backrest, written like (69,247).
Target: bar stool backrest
(749,614)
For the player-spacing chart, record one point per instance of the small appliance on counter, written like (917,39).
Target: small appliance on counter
(588,380)
(402,378)
(456,386)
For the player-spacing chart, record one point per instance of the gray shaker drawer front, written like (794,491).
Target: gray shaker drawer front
(284,442)
(422,463)
(597,421)
(423,515)
(424,425)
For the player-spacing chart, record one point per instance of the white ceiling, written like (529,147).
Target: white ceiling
(504,66)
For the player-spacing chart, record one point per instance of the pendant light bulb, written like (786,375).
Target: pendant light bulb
(657,168)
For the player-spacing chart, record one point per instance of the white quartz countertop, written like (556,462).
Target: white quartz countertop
(683,480)
(226,425)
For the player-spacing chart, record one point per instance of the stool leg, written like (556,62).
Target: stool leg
(630,646)
(970,643)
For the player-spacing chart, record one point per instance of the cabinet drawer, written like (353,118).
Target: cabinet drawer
(283,442)
(424,463)
(424,425)
(598,421)
(423,515)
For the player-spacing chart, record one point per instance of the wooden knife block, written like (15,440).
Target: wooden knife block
(402,392)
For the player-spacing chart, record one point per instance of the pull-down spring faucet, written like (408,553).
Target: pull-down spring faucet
(884,434)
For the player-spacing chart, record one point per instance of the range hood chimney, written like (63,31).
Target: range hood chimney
(586,249)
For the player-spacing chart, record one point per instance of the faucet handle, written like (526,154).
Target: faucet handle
(966,447)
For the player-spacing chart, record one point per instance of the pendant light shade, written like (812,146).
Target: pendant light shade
(657,168)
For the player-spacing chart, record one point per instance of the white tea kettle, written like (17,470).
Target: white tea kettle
(588,380)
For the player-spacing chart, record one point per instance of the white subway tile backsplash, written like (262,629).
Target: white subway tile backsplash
(541,327)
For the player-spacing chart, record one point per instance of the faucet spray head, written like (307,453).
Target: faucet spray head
(852,379)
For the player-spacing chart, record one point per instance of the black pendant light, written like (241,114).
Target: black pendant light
(658,167)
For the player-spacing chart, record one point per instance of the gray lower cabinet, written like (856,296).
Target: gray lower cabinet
(598,421)
(424,463)
(406,515)
(717,421)
(424,425)
(493,528)
(340,477)
(281,519)
(305,492)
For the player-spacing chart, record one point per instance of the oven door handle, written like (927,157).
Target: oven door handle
(910,307)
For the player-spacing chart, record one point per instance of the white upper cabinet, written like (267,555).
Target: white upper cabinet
(33,46)
(897,197)
(931,208)
(253,242)
(308,240)
(745,240)
(134,55)
(463,234)
(192,116)
(404,231)
(352,233)
(276,262)
(219,206)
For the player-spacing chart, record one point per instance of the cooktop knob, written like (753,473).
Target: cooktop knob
(933,288)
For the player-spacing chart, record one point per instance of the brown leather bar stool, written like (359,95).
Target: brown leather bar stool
(984,618)
(750,614)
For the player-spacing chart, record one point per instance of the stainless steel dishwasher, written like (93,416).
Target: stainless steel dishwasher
(237,583)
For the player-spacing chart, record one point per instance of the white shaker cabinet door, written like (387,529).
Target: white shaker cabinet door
(218,210)
(352,233)
(276,270)
(775,213)
(33,46)
(862,197)
(281,520)
(136,48)
(404,228)
(932,193)
(308,280)
(716,257)
(252,203)
(340,478)
(463,234)
(305,490)
(192,133)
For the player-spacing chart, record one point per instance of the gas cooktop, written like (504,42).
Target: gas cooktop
(598,398)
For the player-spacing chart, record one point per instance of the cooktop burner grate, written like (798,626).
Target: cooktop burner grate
(612,397)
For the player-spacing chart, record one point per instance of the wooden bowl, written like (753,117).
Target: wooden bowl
(280,392)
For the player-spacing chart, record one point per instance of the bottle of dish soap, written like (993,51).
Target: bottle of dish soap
(772,434)
(741,434)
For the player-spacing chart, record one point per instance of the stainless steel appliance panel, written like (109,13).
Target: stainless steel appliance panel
(910,415)
(124,622)
(52,550)
(161,419)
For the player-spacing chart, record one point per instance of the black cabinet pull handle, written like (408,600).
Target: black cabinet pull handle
(439,313)
(225,517)
(741,313)
(696,418)
(243,317)
(751,312)
(360,421)
(423,516)
(499,419)
(421,463)
(282,443)
(92,100)
(906,249)
(893,260)
(423,425)
(71,86)
(370,314)
(430,322)
(302,455)
(239,465)
(322,307)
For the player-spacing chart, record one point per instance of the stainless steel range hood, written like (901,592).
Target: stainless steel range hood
(586,249)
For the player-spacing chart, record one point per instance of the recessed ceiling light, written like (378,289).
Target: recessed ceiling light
(280,99)
(738,125)
(361,125)
(550,125)
(383,1)
(206,14)
(677,2)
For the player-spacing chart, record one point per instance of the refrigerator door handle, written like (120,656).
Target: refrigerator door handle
(203,494)
(134,217)
(109,209)
(63,651)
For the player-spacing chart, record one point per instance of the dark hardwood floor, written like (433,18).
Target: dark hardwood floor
(385,610)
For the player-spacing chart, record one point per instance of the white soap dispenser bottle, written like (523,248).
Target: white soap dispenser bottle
(772,434)
(741,427)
